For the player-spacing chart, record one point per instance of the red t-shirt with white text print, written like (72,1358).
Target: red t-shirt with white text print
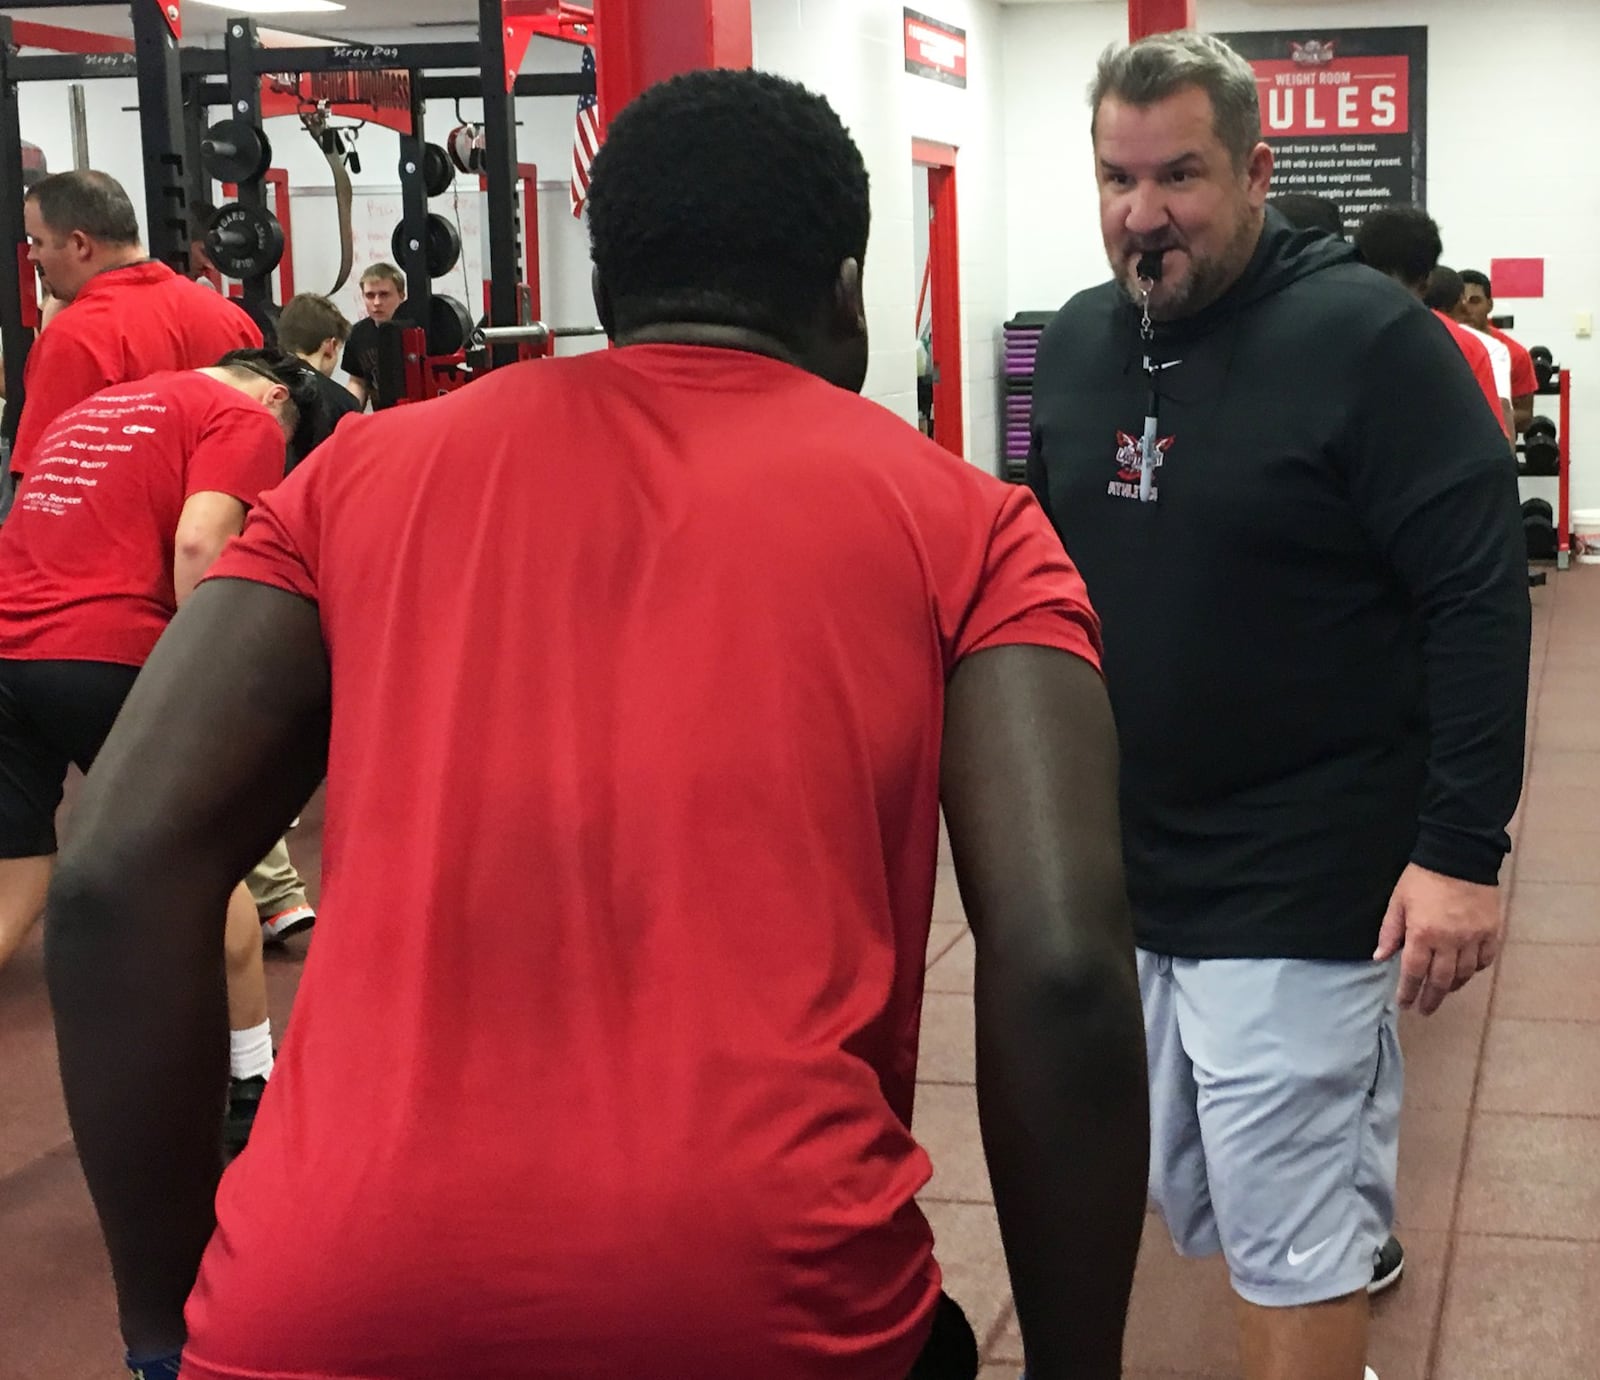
(86,553)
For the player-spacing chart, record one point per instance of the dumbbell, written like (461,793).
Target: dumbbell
(1544,365)
(1541,426)
(1539,529)
(1541,455)
(1540,535)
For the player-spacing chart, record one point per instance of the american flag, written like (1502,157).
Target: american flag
(585,140)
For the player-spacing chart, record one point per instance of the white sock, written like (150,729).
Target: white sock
(250,1052)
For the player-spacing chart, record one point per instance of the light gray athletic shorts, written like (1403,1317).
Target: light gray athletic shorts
(1275,1117)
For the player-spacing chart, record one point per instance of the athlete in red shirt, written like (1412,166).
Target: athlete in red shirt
(1404,242)
(128,317)
(637,724)
(1477,306)
(133,494)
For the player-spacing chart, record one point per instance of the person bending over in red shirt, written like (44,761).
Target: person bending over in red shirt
(133,494)
(126,317)
(636,733)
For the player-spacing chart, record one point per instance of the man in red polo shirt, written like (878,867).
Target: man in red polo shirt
(1477,306)
(636,735)
(1404,242)
(127,316)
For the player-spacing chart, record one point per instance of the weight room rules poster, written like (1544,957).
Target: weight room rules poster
(1345,111)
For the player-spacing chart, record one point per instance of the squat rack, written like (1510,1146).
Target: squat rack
(232,75)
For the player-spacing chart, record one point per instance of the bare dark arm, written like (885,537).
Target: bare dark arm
(222,740)
(1030,796)
(1522,411)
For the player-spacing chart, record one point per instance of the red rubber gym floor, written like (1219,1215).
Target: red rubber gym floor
(1499,1160)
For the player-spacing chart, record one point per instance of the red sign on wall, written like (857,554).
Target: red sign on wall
(935,49)
(1516,277)
(1361,95)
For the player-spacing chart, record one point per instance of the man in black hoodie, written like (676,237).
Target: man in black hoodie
(1299,526)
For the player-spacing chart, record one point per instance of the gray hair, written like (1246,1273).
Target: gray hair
(1154,68)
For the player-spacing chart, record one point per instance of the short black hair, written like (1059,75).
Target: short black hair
(1308,211)
(1445,289)
(93,202)
(728,198)
(1472,277)
(1402,241)
(294,374)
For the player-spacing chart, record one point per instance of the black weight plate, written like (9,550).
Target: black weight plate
(442,247)
(449,326)
(244,242)
(236,151)
(1541,426)
(438,172)
(1539,508)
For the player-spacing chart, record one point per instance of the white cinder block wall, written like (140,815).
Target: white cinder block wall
(1508,89)
(853,52)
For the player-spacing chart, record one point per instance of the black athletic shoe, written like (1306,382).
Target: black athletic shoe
(1388,1264)
(244,1096)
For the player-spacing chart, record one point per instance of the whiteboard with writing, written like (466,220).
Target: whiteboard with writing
(374,215)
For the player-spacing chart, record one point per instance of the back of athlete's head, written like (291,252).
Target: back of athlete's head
(295,376)
(1402,241)
(1308,211)
(734,199)
(1445,290)
(90,202)
(308,322)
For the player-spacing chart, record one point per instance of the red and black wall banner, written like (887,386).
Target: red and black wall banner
(935,49)
(1345,111)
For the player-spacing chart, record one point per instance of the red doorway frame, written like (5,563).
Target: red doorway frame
(944,277)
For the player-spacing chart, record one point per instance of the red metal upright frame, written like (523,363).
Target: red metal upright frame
(637,45)
(1564,487)
(1147,17)
(944,281)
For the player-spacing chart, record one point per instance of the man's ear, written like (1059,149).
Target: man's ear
(602,303)
(849,302)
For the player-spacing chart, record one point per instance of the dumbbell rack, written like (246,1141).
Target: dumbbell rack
(1560,386)
(1022,335)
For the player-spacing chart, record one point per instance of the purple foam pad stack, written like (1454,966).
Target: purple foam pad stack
(1019,354)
